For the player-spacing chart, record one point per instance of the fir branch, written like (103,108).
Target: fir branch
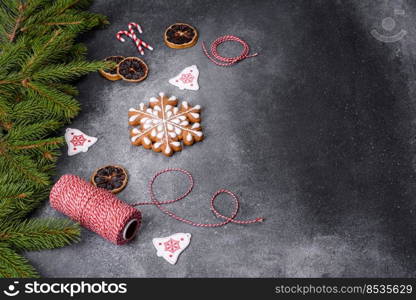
(19,199)
(51,143)
(19,20)
(65,88)
(34,131)
(32,111)
(23,167)
(57,102)
(13,265)
(39,234)
(38,58)
(67,72)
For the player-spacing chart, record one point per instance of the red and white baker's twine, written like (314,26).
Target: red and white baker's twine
(102,212)
(230,219)
(227,61)
(94,208)
(132,35)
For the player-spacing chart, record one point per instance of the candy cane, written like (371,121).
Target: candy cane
(136,40)
(139,41)
(132,24)
(132,35)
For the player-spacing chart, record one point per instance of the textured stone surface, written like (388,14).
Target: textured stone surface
(314,134)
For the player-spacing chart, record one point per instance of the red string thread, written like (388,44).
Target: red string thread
(229,219)
(227,61)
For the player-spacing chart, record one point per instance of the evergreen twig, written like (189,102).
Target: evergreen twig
(39,58)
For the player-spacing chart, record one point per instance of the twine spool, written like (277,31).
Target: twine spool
(96,209)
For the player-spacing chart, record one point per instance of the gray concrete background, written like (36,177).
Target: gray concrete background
(314,134)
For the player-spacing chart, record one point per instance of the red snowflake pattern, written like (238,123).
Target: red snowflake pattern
(172,246)
(187,78)
(78,140)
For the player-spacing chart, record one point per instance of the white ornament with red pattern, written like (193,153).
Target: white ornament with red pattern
(187,79)
(172,246)
(78,141)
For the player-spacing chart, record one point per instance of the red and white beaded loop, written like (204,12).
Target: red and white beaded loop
(132,35)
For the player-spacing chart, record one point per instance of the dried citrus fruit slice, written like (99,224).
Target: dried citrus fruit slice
(180,36)
(132,69)
(112,178)
(112,73)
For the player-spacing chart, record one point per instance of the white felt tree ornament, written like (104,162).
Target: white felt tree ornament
(78,141)
(172,246)
(187,79)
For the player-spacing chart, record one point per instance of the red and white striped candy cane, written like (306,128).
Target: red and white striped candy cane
(132,35)
(120,33)
(132,24)
(136,40)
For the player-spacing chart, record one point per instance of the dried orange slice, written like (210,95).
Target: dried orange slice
(112,178)
(132,69)
(180,36)
(112,73)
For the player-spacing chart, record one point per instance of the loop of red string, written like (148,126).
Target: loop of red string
(227,61)
(159,204)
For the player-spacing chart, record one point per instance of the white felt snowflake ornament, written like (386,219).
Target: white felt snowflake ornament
(172,246)
(187,79)
(78,141)
(162,126)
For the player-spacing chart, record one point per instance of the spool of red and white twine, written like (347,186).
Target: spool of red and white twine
(95,208)
(102,212)
(223,61)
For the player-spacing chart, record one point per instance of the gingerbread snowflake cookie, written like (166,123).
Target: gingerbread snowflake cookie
(162,125)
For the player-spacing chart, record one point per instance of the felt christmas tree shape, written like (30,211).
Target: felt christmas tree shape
(38,60)
(78,141)
(172,246)
(187,79)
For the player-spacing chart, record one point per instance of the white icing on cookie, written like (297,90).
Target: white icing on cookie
(146,140)
(153,133)
(167,149)
(133,118)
